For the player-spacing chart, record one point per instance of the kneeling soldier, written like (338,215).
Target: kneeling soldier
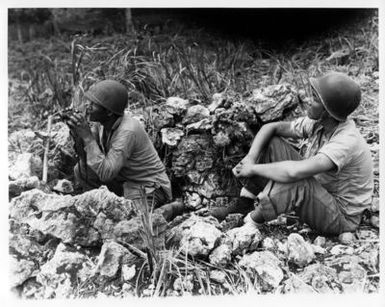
(119,152)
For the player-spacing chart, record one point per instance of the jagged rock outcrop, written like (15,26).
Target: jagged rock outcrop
(20,270)
(323,279)
(16,187)
(221,255)
(196,236)
(61,274)
(25,166)
(86,220)
(112,258)
(300,252)
(243,239)
(63,186)
(266,266)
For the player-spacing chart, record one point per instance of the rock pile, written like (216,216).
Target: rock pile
(202,143)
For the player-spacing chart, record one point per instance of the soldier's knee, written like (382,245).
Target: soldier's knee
(275,141)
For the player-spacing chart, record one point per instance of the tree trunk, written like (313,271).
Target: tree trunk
(19,31)
(129,24)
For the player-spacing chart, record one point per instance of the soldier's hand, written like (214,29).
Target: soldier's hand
(77,122)
(244,168)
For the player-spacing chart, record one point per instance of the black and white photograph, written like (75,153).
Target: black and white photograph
(192,152)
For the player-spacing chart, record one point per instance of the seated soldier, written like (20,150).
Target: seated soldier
(119,152)
(328,187)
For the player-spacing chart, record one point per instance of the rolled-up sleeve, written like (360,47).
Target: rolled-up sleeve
(107,166)
(302,127)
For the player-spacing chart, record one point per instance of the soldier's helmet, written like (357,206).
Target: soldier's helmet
(339,94)
(110,94)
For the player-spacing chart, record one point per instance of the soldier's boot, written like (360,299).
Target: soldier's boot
(243,205)
(172,210)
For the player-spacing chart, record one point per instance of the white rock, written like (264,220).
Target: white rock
(61,272)
(128,272)
(267,267)
(369,235)
(197,235)
(20,271)
(295,285)
(375,207)
(375,221)
(112,256)
(64,186)
(299,251)
(218,276)
(16,187)
(320,277)
(341,250)
(176,105)
(25,166)
(184,283)
(195,114)
(221,139)
(351,275)
(193,201)
(221,255)
(282,246)
(353,278)
(244,239)
(318,249)
(346,238)
(171,136)
(217,102)
(320,241)
(204,124)
(268,244)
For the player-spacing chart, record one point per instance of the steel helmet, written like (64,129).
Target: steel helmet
(109,94)
(339,94)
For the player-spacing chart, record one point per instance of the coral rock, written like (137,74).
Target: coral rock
(271,102)
(73,219)
(267,267)
(195,114)
(176,105)
(171,136)
(295,285)
(131,231)
(268,244)
(25,166)
(244,239)
(196,236)
(111,258)
(218,276)
(351,275)
(341,250)
(15,188)
(64,186)
(320,277)
(375,207)
(128,272)
(20,271)
(218,100)
(320,241)
(184,283)
(299,251)
(62,273)
(346,238)
(221,255)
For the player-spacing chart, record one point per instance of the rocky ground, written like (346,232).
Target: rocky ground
(92,244)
